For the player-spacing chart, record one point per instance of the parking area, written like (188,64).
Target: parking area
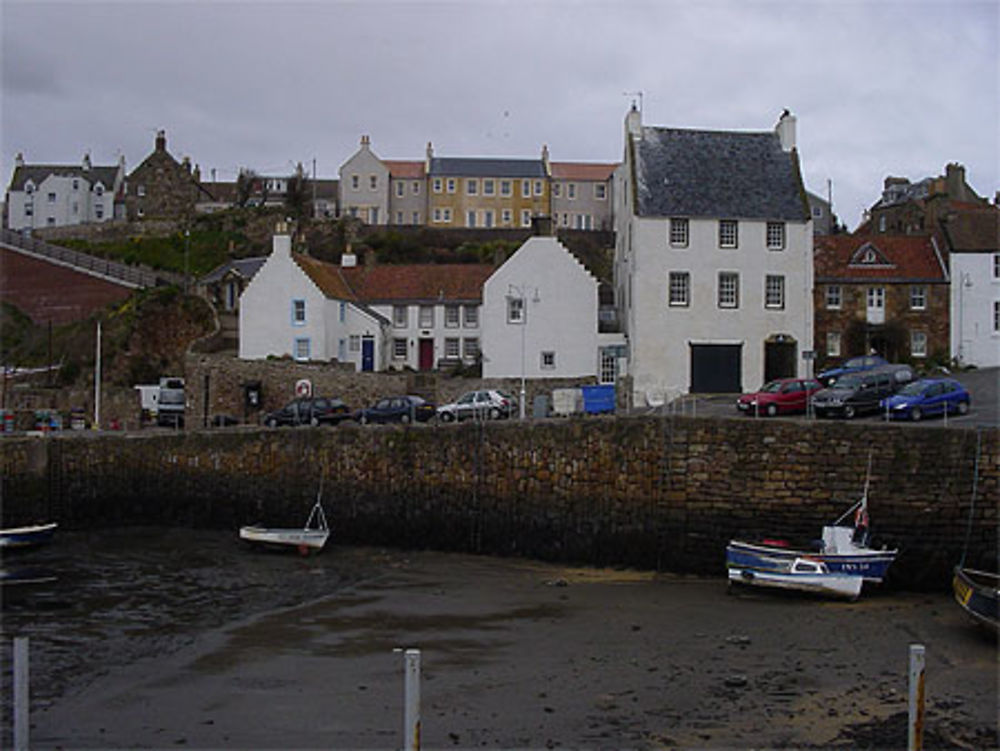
(983,385)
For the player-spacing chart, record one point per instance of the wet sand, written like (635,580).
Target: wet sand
(517,654)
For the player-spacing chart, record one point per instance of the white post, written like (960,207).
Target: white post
(21,718)
(411,698)
(915,726)
(97,382)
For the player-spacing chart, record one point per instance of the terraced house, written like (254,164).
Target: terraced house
(475,192)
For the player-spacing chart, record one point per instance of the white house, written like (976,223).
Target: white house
(299,306)
(540,317)
(974,251)
(419,317)
(713,258)
(49,195)
(433,311)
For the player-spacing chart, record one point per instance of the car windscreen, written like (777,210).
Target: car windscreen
(771,388)
(848,382)
(916,388)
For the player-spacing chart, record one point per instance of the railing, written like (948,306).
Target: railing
(132,276)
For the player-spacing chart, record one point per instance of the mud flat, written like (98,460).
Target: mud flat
(517,654)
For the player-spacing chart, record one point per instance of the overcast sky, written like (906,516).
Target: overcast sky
(879,88)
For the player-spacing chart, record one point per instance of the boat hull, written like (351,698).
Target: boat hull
(27,537)
(871,565)
(828,584)
(303,540)
(978,594)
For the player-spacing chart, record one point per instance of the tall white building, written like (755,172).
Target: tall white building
(713,258)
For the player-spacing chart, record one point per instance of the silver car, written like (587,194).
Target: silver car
(488,404)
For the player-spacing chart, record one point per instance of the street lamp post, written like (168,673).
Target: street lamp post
(187,253)
(520,293)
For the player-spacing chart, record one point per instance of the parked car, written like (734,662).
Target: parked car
(928,396)
(317,410)
(782,396)
(397,409)
(489,404)
(850,365)
(858,393)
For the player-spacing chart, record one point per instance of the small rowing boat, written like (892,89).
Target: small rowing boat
(978,594)
(15,538)
(310,538)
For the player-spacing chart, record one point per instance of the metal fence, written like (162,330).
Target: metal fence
(132,276)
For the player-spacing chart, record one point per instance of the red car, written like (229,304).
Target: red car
(782,396)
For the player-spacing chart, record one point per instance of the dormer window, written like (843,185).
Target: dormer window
(869,256)
(99,189)
(29,188)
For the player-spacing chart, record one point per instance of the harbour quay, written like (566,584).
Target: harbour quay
(659,493)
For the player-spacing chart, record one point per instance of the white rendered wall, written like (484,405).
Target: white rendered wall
(266,326)
(974,290)
(561,307)
(660,335)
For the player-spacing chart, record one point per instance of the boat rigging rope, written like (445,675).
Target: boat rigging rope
(972,506)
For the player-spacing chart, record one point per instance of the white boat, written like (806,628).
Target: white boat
(27,537)
(803,575)
(311,537)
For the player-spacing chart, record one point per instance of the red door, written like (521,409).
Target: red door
(426,354)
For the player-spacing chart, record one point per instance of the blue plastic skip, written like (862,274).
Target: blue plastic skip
(597,399)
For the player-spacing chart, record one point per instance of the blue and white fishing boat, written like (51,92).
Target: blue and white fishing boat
(14,538)
(843,550)
(803,575)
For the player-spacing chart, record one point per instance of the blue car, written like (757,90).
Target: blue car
(397,409)
(928,396)
(851,365)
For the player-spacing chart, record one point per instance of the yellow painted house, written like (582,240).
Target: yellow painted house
(486,192)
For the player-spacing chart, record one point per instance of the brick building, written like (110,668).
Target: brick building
(883,293)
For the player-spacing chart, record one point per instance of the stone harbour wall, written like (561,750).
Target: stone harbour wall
(663,493)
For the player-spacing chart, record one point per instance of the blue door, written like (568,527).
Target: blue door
(367,354)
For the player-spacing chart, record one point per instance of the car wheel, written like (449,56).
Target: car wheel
(494,413)
(447,417)
(363,419)
(963,408)
(272,423)
(404,419)
(916,414)
(772,410)
(849,412)
(314,421)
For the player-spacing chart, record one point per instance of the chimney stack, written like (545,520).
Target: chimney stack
(541,226)
(282,241)
(86,162)
(633,122)
(161,140)
(786,131)
(19,160)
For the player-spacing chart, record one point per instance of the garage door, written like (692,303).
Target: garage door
(715,369)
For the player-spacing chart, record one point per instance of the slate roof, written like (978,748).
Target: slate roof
(245,267)
(581,171)
(477,167)
(38,172)
(902,258)
(702,173)
(974,228)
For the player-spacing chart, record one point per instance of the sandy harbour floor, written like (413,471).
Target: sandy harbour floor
(519,654)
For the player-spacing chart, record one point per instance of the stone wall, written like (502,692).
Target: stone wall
(654,493)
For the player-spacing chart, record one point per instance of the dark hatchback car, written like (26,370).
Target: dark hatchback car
(397,409)
(851,365)
(860,393)
(318,410)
